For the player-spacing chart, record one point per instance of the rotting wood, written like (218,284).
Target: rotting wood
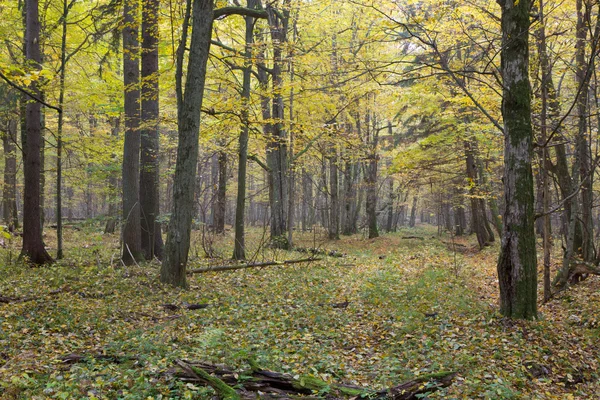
(279,385)
(220,268)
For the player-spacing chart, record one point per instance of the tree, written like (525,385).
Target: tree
(517,264)
(188,117)
(132,241)
(8,131)
(33,246)
(239,247)
(151,237)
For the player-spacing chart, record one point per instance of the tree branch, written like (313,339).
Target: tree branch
(34,97)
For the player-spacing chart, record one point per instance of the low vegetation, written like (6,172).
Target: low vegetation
(390,310)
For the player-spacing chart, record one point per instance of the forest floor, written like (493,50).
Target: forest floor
(414,306)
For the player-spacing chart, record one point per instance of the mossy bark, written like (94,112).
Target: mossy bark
(517,264)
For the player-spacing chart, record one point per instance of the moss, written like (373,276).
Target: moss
(224,391)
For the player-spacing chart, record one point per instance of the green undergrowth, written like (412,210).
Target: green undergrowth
(390,310)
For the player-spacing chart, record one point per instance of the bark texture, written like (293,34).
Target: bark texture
(152,243)
(517,268)
(178,237)
(33,246)
(132,242)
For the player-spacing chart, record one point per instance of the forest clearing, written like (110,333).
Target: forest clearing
(389,310)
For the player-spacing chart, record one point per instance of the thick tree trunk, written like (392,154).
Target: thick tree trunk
(178,237)
(517,264)
(277,151)
(132,242)
(33,246)
(151,237)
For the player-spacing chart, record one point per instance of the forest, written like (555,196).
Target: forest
(281,199)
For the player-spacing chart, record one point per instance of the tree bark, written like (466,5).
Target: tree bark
(478,217)
(33,246)
(9,190)
(334,212)
(220,198)
(517,264)
(178,237)
(132,242)
(239,248)
(277,151)
(151,237)
(413,213)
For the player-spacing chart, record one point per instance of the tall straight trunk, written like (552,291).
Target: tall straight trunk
(350,199)
(33,246)
(178,238)
(544,162)
(151,237)
(334,212)
(220,201)
(390,216)
(413,213)
(517,264)
(308,209)
(277,149)
(239,248)
(581,141)
(371,177)
(59,131)
(9,191)
(323,205)
(113,183)
(132,241)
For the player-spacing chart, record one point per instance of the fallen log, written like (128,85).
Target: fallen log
(74,358)
(413,237)
(220,268)
(232,385)
(8,299)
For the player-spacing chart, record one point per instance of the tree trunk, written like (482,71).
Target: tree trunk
(277,152)
(544,162)
(220,198)
(308,209)
(239,250)
(59,131)
(371,177)
(33,246)
(178,237)
(413,213)
(151,237)
(9,192)
(132,242)
(334,212)
(113,183)
(517,264)
(478,217)
(581,141)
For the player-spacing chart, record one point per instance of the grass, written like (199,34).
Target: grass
(413,308)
